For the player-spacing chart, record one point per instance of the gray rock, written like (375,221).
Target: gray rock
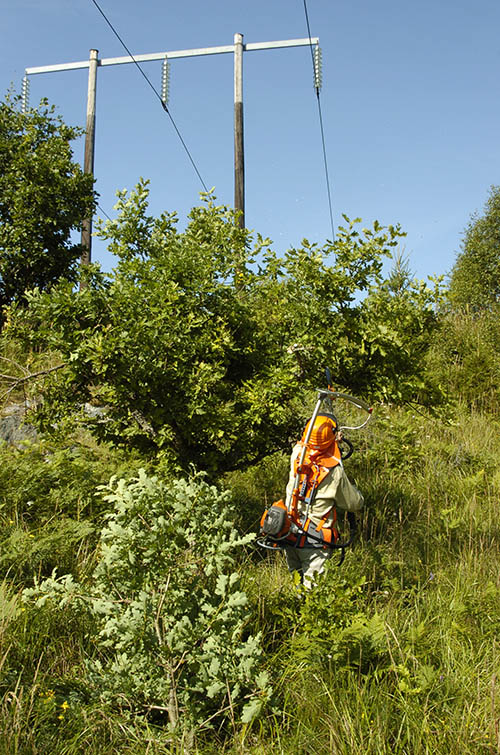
(13,429)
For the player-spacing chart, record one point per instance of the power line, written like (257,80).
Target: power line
(163,104)
(317,86)
(103,212)
(326,168)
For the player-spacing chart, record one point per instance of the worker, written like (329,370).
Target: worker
(325,488)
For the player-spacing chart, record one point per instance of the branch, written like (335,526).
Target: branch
(17,381)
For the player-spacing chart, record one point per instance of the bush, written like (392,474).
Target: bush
(200,342)
(170,612)
(464,359)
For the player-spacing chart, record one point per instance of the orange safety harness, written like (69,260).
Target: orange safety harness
(292,525)
(283,526)
(308,477)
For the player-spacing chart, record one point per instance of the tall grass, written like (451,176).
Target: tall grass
(430,556)
(395,652)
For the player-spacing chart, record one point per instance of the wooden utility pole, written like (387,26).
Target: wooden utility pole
(237,49)
(88,160)
(239,155)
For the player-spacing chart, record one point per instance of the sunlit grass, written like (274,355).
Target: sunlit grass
(428,567)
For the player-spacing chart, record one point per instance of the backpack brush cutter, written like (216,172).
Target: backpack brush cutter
(284,526)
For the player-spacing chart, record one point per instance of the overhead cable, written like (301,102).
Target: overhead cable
(103,212)
(162,102)
(316,64)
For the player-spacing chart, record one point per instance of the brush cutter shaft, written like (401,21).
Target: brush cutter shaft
(304,450)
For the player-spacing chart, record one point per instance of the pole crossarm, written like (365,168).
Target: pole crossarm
(237,49)
(173,54)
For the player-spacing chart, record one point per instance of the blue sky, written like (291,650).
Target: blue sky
(410,102)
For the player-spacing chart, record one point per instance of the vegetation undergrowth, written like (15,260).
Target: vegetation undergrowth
(395,651)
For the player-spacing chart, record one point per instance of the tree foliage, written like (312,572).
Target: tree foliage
(463,357)
(44,196)
(475,277)
(202,343)
(400,316)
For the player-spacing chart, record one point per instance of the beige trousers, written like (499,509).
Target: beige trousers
(308,562)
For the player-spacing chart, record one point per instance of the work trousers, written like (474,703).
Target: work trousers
(308,562)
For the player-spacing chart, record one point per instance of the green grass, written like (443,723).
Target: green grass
(395,652)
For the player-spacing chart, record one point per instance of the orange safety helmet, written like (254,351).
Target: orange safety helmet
(323,432)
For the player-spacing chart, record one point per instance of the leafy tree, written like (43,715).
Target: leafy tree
(44,196)
(203,343)
(399,319)
(475,277)
(463,359)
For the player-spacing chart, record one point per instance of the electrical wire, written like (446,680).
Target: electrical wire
(325,161)
(163,104)
(103,212)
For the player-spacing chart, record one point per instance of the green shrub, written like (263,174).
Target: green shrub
(170,611)
(464,359)
(334,627)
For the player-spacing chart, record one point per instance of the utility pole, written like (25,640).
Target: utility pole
(88,160)
(237,49)
(239,155)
